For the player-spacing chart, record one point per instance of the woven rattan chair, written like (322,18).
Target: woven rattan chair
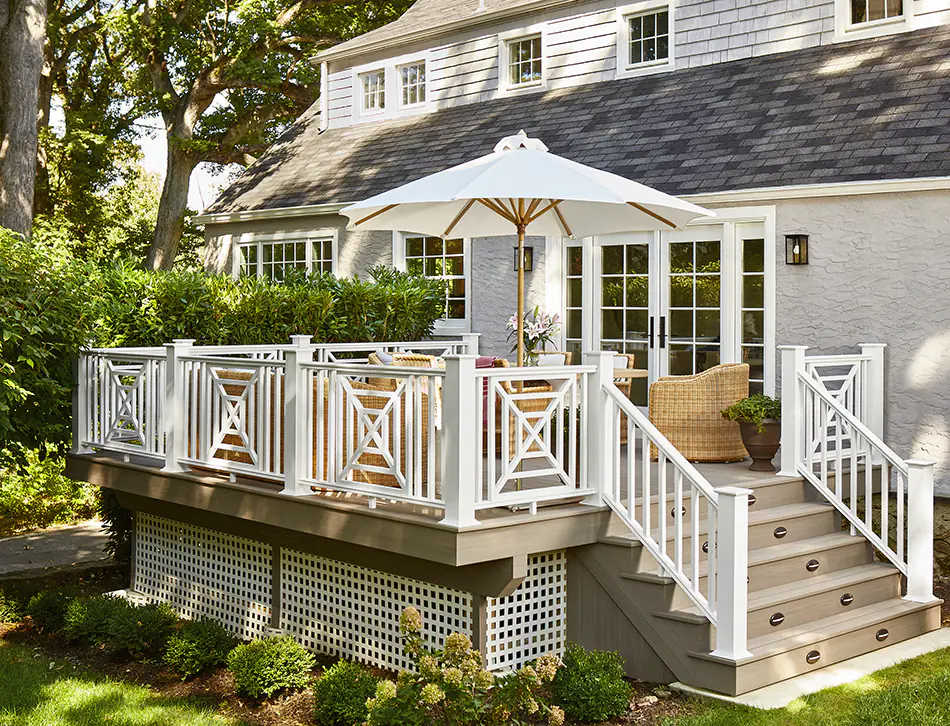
(405,360)
(624,362)
(686,411)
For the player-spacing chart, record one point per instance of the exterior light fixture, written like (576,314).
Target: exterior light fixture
(528,259)
(796,249)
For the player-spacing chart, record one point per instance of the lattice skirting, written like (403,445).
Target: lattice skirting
(201,572)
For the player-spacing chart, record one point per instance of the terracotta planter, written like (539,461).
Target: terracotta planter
(762,447)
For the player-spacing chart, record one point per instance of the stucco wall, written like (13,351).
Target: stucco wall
(879,271)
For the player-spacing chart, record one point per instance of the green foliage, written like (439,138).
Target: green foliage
(47,609)
(264,667)
(341,693)
(591,686)
(36,492)
(141,630)
(198,646)
(10,609)
(120,523)
(756,409)
(88,619)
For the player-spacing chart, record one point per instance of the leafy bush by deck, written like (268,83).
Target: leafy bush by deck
(198,646)
(264,667)
(47,609)
(88,619)
(591,687)
(341,693)
(141,630)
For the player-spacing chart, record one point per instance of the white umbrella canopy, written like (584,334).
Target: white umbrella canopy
(522,188)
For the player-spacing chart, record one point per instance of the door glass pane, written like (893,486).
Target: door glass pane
(681,257)
(574,301)
(612,325)
(752,314)
(681,291)
(613,260)
(681,360)
(681,324)
(695,294)
(752,292)
(638,259)
(612,292)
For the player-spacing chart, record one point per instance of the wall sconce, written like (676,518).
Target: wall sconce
(796,249)
(528,259)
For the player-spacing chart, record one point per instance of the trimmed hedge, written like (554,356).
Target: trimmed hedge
(591,686)
(198,646)
(263,667)
(341,693)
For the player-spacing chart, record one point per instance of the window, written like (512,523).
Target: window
(867,11)
(524,61)
(272,259)
(440,259)
(753,311)
(413,81)
(574,302)
(649,37)
(374,91)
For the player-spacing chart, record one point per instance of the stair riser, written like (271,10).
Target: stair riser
(822,605)
(766,671)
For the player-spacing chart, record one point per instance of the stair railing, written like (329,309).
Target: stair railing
(885,499)
(663,500)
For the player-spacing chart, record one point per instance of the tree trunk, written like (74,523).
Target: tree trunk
(171,207)
(41,200)
(22,37)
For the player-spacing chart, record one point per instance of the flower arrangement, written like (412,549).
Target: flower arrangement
(539,330)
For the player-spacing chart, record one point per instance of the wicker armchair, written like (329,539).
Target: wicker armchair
(686,411)
(405,360)
(624,362)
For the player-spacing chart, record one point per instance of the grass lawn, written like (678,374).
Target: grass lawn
(35,691)
(913,693)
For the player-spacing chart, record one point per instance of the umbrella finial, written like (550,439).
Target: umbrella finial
(521,140)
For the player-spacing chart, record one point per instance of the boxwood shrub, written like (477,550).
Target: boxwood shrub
(88,619)
(341,693)
(264,667)
(590,687)
(141,630)
(47,609)
(198,646)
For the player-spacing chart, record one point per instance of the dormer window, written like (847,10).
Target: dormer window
(868,11)
(373,86)
(649,37)
(525,63)
(412,79)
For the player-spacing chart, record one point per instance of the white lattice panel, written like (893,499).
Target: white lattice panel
(201,572)
(354,612)
(531,621)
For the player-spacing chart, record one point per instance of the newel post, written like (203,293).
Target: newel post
(295,415)
(461,402)
(920,530)
(874,388)
(732,567)
(793,408)
(80,402)
(173,414)
(600,438)
(471,343)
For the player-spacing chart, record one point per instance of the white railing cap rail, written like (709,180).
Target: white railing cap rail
(120,352)
(364,369)
(232,362)
(534,372)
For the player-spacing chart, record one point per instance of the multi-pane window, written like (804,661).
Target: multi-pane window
(695,328)
(524,61)
(753,311)
(274,259)
(440,259)
(374,90)
(866,11)
(649,37)
(574,301)
(413,80)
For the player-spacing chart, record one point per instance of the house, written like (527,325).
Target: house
(273,488)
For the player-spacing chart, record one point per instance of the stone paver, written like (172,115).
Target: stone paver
(53,548)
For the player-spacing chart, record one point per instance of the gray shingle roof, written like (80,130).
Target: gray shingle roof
(866,110)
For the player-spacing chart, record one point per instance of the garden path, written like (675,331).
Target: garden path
(53,548)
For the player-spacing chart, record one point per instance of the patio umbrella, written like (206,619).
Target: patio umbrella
(523,188)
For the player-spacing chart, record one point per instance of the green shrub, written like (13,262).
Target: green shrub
(9,609)
(88,619)
(199,645)
(47,609)
(263,667)
(142,630)
(756,409)
(341,693)
(591,687)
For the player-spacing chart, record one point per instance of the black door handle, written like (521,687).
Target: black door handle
(651,333)
(663,331)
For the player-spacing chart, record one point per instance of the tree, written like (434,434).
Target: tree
(227,77)
(22,36)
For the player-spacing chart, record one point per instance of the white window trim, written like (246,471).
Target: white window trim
(330,233)
(425,86)
(505,87)
(625,69)
(846,30)
(443,326)
(394,106)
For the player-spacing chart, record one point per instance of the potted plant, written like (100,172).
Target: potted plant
(758,418)
(540,329)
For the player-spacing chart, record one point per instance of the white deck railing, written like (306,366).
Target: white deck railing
(832,435)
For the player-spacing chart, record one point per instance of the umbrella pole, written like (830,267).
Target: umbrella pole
(521,231)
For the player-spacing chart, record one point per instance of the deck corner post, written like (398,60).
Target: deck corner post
(732,566)
(601,439)
(874,388)
(460,409)
(295,416)
(793,408)
(470,341)
(174,405)
(80,402)
(920,530)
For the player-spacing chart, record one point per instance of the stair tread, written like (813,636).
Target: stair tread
(797,548)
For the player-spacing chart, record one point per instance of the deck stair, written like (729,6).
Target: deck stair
(817,595)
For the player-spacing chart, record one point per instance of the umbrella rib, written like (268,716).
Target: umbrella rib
(500,211)
(544,211)
(652,214)
(468,205)
(564,224)
(376,214)
(535,203)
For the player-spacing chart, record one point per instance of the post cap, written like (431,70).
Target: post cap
(921,463)
(735,492)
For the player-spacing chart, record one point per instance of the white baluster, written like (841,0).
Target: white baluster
(459,407)
(920,530)
(601,436)
(176,437)
(732,554)
(295,415)
(793,408)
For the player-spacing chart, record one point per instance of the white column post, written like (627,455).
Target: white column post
(874,388)
(80,401)
(295,416)
(471,343)
(601,438)
(920,530)
(793,408)
(176,435)
(460,414)
(732,568)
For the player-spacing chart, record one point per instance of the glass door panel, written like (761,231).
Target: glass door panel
(694,303)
